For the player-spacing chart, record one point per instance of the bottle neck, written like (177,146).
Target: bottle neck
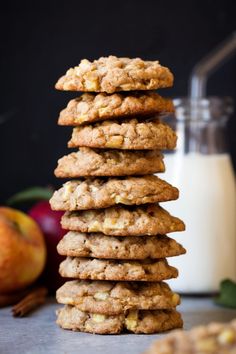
(201,124)
(201,137)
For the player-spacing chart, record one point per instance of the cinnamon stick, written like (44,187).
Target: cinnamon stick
(35,298)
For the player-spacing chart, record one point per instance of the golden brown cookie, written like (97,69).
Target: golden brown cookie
(111,74)
(88,162)
(70,317)
(129,134)
(113,298)
(102,192)
(98,245)
(125,270)
(150,219)
(215,338)
(91,107)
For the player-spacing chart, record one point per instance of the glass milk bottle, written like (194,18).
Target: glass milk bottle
(201,169)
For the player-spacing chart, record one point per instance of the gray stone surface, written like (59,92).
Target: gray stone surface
(38,333)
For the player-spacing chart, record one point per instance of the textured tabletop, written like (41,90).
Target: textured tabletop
(38,333)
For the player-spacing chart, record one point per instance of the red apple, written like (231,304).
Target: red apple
(22,250)
(49,222)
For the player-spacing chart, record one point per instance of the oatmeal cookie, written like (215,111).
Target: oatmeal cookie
(215,338)
(88,162)
(128,134)
(109,269)
(113,298)
(102,193)
(89,107)
(98,245)
(150,219)
(111,74)
(70,317)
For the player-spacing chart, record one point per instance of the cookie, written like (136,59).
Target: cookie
(150,219)
(97,245)
(88,162)
(109,269)
(91,107)
(111,74)
(215,338)
(70,317)
(103,193)
(113,298)
(128,134)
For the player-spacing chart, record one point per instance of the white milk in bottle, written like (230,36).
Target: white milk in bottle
(201,168)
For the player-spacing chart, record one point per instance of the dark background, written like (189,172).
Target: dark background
(40,42)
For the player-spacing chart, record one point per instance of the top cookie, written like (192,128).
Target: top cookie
(112,74)
(90,107)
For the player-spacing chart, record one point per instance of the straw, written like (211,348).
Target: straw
(209,64)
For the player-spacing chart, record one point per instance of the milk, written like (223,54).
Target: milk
(207,205)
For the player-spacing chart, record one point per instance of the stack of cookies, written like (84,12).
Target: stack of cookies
(116,246)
